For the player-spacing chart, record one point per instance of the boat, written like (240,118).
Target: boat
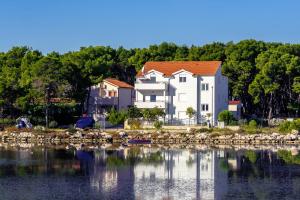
(139,141)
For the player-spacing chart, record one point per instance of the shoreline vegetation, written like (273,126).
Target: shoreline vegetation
(189,136)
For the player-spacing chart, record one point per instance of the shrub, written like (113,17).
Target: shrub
(53,124)
(204,130)
(115,117)
(134,124)
(39,128)
(157,125)
(225,116)
(253,124)
(153,114)
(134,112)
(71,129)
(97,125)
(288,126)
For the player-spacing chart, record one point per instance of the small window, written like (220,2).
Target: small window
(182,97)
(204,86)
(112,93)
(204,107)
(182,78)
(153,78)
(152,98)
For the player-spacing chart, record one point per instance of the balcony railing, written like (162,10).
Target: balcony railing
(150,86)
(150,104)
(106,100)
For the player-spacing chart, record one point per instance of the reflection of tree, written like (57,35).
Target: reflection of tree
(251,155)
(288,157)
(223,164)
(190,162)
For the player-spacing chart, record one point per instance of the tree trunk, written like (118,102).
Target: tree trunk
(270,108)
(87,101)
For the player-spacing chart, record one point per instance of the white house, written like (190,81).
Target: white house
(107,94)
(176,85)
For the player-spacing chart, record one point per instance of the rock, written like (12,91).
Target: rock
(78,134)
(295,132)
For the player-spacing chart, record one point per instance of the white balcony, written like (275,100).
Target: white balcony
(151,86)
(150,104)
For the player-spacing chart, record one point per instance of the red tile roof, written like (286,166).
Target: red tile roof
(120,84)
(235,102)
(204,68)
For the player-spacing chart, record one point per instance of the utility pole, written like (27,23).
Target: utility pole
(212,105)
(47,106)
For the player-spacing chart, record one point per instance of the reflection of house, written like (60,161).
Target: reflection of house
(177,85)
(110,93)
(236,108)
(183,175)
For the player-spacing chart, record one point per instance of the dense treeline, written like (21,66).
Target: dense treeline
(264,76)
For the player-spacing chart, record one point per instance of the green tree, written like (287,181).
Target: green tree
(157,125)
(225,116)
(190,112)
(115,117)
(272,86)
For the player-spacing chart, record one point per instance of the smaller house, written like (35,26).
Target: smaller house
(108,94)
(236,108)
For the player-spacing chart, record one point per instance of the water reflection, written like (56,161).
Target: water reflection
(148,173)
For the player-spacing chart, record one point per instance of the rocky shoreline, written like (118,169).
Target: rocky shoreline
(183,137)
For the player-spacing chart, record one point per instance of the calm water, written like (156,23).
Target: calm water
(148,173)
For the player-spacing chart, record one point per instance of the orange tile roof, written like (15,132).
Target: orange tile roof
(118,83)
(234,102)
(204,68)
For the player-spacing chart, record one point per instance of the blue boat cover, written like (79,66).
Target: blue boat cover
(85,122)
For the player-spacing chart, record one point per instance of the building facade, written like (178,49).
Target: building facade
(176,85)
(108,94)
(236,108)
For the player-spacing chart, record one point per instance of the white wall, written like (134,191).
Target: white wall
(125,98)
(176,108)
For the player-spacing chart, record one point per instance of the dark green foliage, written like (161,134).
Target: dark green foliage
(264,76)
(157,125)
(114,117)
(134,112)
(152,114)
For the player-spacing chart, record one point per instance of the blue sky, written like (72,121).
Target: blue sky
(63,25)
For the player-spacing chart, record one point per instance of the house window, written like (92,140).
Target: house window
(112,93)
(182,78)
(182,97)
(204,107)
(152,98)
(153,78)
(204,86)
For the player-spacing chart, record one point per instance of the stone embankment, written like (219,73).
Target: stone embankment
(183,137)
